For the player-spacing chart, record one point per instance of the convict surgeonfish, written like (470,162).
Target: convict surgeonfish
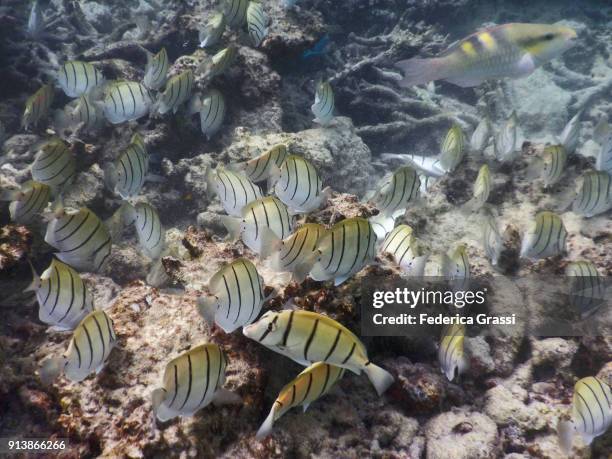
(219,63)
(481,135)
(546,237)
(151,234)
(587,290)
(54,164)
(259,218)
(212,31)
(37,106)
(451,353)
(595,195)
(505,142)
(491,238)
(234,189)
(62,296)
(482,189)
(126,101)
(308,337)
(344,250)
(508,50)
(178,91)
(310,385)
(80,112)
(603,160)
(77,78)
(28,202)
(260,167)
(235,12)
(405,250)
(591,413)
(127,174)
(237,295)
(452,149)
(554,160)
(297,253)
(91,344)
(323,107)
(212,113)
(156,71)
(81,238)
(571,133)
(36,22)
(257,22)
(456,267)
(298,184)
(191,381)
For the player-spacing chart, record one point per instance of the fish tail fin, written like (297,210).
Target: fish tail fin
(274,176)
(51,369)
(421,71)
(270,243)
(382,225)
(233,226)
(35,284)
(195,104)
(207,309)
(209,178)
(565,434)
(380,378)
(266,427)
(160,411)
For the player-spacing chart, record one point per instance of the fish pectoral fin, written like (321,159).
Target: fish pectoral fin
(340,279)
(225,397)
(306,405)
(525,66)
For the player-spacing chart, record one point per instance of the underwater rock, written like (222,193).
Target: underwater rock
(507,407)
(99,15)
(15,245)
(557,352)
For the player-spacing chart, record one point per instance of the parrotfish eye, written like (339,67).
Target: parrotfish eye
(548,36)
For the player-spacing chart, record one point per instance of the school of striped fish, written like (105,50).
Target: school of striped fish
(265,197)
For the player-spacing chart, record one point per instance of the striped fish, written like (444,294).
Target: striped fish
(237,292)
(80,112)
(451,354)
(482,189)
(257,21)
(546,238)
(37,106)
(77,78)
(587,290)
(571,133)
(591,413)
(595,195)
(126,101)
(403,247)
(178,91)
(91,344)
(127,175)
(235,12)
(555,159)
(481,135)
(156,71)
(81,238)
(603,161)
(505,142)
(262,221)
(212,113)
(344,250)
(310,385)
(191,381)
(491,238)
(28,202)
(54,164)
(234,189)
(456,266)
(219,63)
(299,186)
(259,168)
(212,31)
(297,253)
(307,337)
(323,107)
(151,234)
(62,296)
(452,149)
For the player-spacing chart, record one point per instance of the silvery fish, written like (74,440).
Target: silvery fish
(595,195)
(178,91)
(54,164)
(456,267)
(491,238)
(307,337)
(555,159)
(482,189)
(235,190)
(509,50)
(311,384)
(126,101)
(481,135)
(219,63)
(212,31)
(323,107)
(191,381)
(571,133)
(262,221)
(430,166)
(587,290)
(237,295)
(127,175)
(35,21)
(603,161)
(591,413)
(235,12)
(37,106)
(451,354)
(257,22)
(452,149)
(406,252)
(80,112)
(91,344)
(80,237)
(259,168)
(77,78)
(545,238)
(28,202)
(156,71)
(63,297)
(299,186)
(344,250)
(151,234)
(505,142)
(212,113)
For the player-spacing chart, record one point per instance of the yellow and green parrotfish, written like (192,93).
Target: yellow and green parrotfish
(260,167)
(233,189)
(28,202)
(510,50)
(156,71)
(405,250)
(77,78)
(54,164)
(126,176)
(178,91)
(37,106)
(546,237)
(595,195)
(323,107)
(451,353)
(307,337)
(212,31)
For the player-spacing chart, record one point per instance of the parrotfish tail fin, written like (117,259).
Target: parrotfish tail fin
(380,378)
(207,309)
(270,243)
(35,284)
(233,226)
(565,434)
(382,225)
(51,369)
(420,71)
(225,397)
(266,427)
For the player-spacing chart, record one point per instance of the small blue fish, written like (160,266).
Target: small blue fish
(318,49)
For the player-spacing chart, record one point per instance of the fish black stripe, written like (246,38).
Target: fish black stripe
(358,248)
(90,344)
(293,243)
(288,329)
(308,170)
(268,330)
(86,76)
(58,289)
(75,76)
(327,372)
(207,376)
(66,224)
(307,388)
(392,238)
(252,291)
(78,227)
(297,179)
(346,359)
(310,338)
(131,181)
(333,347)
(175,385)
(72,295)
(292,395)
(87,239)
(603,414)
(280,217)
(343,239)
(256,224)
(229,296)
(190,381)
(333,248)
(121,98)
(299,250)
(590,412)
(76,346)
(101,336)
(239,293)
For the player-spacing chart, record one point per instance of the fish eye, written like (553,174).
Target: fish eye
(549,36)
